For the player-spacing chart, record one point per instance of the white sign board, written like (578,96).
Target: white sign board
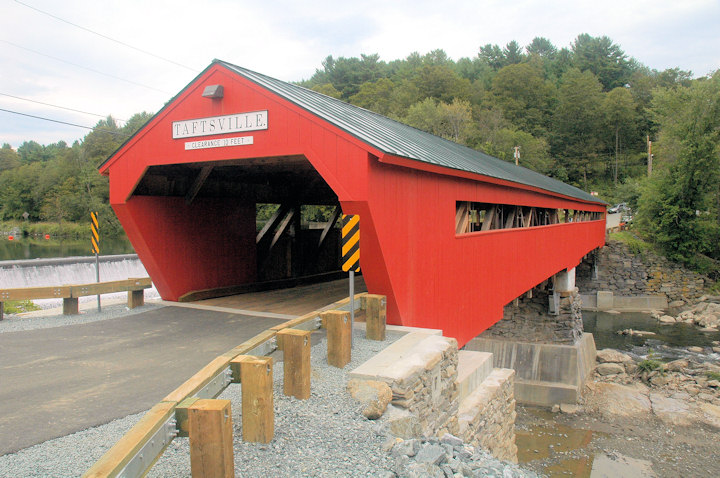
(236,123)
(218,143)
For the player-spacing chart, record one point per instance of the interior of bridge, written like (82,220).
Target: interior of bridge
(297,231)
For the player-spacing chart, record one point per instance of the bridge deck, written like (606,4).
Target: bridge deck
(293,301)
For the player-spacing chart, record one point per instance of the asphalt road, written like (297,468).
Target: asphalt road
(60,380)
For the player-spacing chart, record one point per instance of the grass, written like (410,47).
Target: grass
(713,376)
(634,243)
(20,306)
(650,365)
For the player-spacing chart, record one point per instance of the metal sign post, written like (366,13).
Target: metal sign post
(351,259)
(95,240)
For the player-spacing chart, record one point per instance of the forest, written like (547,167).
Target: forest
(583,114)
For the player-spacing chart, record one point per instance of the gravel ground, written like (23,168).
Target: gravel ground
(43,319)
(325,436)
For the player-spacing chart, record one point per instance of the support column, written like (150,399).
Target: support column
(258,412)
(339,343)
(295,345)
(375,316)
(211,439)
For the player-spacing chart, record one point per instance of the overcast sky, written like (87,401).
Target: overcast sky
(46,60)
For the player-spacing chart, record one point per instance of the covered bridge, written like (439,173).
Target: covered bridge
(449,234)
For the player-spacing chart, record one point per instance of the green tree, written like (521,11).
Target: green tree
(576,124)
(9,158)
(605,59)
(620,116)
(680,206)
(524,97)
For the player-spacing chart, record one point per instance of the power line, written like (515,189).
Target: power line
(58,106)
(62,122)
(107,37)
(83,67)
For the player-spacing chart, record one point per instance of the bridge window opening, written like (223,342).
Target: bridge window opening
(477,217)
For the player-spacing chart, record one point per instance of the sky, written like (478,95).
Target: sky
(138,54)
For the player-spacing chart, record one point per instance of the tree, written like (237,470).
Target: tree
(542,47)
(602,57)
(620,116)
(576,123)
(8,158)
(680,206)
(524,97)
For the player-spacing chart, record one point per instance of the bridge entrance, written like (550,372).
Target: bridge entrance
(295,226)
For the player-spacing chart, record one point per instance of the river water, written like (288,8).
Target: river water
(36,248)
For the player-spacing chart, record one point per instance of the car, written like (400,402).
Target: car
(622,207)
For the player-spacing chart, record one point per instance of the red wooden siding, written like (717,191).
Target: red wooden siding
(410,252)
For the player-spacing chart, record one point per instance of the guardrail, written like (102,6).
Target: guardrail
(70,293)
(138,450)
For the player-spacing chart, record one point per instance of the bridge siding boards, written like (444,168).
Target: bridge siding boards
(431,277)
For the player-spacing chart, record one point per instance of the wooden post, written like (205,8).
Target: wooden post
(375,316)
(70,306)
(296,358)
(2,309)
(258,412)
(211,439)
(339,345)
(136,298)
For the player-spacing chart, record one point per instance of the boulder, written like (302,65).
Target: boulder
(670,410)
(666,319)
(677,365)
(612,400)
(707,320)
(605,369)
(709,414)
(373,395)
(695,349)
(402,424)
(612,356)
(676,303)
(569,408)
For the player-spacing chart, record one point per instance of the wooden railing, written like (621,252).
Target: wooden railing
(135,453)
(70,293)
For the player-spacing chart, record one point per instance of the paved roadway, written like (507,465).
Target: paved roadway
(61,380)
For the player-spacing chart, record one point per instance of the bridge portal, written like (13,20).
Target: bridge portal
(450,235)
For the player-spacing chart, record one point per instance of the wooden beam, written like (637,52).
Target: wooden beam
(510,220)
(338,337)
(462,217)
(211,439)
(258,410)
(329,225)
(529,217)
(375,316)
(489,218)
(198,184)
(115,459)
(283,227)
(296,362)
(272,223)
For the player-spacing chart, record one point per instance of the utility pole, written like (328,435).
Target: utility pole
(517,155)
(650,155)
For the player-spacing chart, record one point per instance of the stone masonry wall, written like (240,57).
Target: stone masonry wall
(487,416)
(627,274)
(530,320)
(429,391)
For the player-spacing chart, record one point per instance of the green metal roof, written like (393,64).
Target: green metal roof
(393,137)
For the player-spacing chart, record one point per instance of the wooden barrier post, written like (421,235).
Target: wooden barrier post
(375,316)
(339,344)
(295,345)
(258,412)
(211,439)
(71,306)
(136,298)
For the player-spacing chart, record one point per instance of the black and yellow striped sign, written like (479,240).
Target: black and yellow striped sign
(95,236)
(351,243)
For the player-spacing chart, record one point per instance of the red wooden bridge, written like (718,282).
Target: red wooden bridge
(450,235)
